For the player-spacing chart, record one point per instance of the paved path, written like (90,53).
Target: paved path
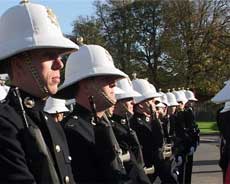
(205,165)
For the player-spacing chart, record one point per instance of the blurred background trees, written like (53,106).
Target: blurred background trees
(173,43)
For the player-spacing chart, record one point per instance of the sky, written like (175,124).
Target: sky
(66,10)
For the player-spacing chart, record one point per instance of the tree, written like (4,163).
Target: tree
(133,30)
(197,39)
(118,31)
(90,29)
(173,43)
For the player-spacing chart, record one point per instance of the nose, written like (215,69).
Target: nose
(58,64)
(132,102)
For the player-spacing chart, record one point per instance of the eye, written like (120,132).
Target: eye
(112,85)
(50,55)
(156,102)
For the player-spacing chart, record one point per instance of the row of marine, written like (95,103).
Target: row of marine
(118,131)
(146,134)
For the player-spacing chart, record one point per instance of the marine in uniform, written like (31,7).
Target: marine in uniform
(90,77)
(172,105)
(193,131)
(185,143)
(131,156)
(33,148)
(56,108)
(145,123)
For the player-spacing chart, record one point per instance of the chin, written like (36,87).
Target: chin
(53,91)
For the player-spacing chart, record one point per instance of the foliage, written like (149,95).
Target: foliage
(172,43)
(197,39)
(90,29)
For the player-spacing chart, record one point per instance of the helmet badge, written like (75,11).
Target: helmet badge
(52,17)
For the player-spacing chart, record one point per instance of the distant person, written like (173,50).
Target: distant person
(193,131)
(131,156)
(147,126)
(56,108)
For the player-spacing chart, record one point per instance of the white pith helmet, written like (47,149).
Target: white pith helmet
(70,101)
(158,99)
(126,85)
(182,92)
(118,90)
(223,95)
(89,61)
(190,95)
(180,96)
(163,98)
(226,107)
(156,94)
(142,86)
(171,99)
(3,92)
(54,105)
(30,26)
(6,88)
(161,105)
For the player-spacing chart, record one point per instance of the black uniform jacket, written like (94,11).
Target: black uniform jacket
(14,160)
(225,121)
(91,149)
(127,142)
(191,126)
(150,137)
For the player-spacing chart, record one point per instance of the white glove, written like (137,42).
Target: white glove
(149,170)
(125,157)
(179,161)
(192,149)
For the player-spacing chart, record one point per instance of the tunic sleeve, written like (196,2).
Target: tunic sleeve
(13,166)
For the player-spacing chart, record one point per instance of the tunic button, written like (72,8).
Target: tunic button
(66,179)
(70,158)
(46,118)
(58,148)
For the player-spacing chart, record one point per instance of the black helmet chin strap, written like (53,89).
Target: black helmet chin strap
(104,95)
(35,74)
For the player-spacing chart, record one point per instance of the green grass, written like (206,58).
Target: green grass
(208,127)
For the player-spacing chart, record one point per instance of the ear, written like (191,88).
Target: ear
(85,86)
(16,64)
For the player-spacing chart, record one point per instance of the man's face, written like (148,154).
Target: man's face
(162,111)
(180,107)
(146,106)
(190,103)
(47,64)
(102,88)
(2,83)
(58,117)
(129,104)
(124,106)
(171,110)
